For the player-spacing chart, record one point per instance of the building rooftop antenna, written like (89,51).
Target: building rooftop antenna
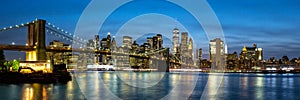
(176,20)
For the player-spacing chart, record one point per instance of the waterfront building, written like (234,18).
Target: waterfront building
(42,66)
(251,57)
(205,65)
(232,61)
(217,53)
(59,57)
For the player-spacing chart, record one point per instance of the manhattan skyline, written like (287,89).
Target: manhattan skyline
(272,25)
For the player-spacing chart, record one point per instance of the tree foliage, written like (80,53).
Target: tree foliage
(14,64)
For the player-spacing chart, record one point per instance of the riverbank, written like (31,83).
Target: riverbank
(16,78)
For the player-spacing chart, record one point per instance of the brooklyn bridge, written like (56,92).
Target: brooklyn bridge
(37,51)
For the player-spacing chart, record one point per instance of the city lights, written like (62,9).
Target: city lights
(250,59)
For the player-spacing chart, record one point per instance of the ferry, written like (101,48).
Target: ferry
(96,67)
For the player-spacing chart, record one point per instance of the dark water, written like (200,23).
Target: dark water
(131,85)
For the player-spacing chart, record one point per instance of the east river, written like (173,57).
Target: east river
(95,85)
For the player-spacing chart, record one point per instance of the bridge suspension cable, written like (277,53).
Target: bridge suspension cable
(52,29)
(14,27)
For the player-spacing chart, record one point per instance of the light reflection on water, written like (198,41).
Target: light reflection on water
(107,85)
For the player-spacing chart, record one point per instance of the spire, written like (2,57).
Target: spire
(244,49)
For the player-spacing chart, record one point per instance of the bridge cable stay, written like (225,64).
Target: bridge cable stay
(50,28)
(14,27)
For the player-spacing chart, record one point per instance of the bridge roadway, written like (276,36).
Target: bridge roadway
(49,49)
(16,47)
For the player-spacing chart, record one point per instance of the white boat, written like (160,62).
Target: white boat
(100,67)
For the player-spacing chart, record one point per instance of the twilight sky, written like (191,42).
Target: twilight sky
(273,24)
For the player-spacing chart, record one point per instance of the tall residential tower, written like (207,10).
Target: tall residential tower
(217,53)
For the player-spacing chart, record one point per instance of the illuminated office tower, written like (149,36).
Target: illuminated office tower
(157,42)
(250,56)
(113,44)
(259,52)
(160,41)
(108,41)
(200,54)
(134,48)
(252,52)
(104,44)
(150,42)
(190,48)
(96,42)
(59,57)
(175,40)
(190,52)
(217,53)
(184,47)
(90,44)
(127,41)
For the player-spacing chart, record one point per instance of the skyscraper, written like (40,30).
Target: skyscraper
(175,41)
(150,42)
(190,48)
(200,54)
(217,53)
(160,41)
(127,41)
(96,42)
(184,47)
(250,57)
(134,48)
(184,38)
(190,52)
(113,44)
(157,42)
(108,41)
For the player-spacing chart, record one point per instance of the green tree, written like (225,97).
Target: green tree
(14,64)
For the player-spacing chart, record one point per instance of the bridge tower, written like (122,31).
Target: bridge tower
(36,39)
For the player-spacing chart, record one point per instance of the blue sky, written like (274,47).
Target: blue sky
(273,24)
